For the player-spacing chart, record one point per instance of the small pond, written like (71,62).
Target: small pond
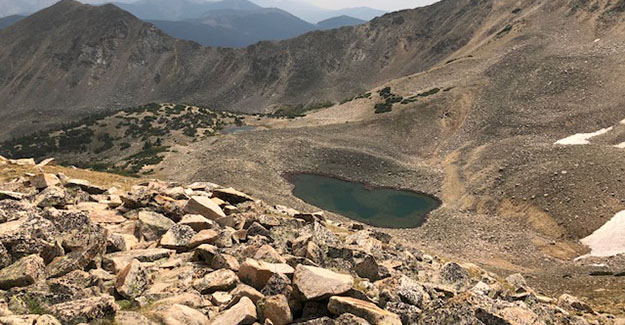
(237,129)
(379,207)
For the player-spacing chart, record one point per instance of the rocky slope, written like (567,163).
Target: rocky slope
(487,146)
(72,60)
(160,253)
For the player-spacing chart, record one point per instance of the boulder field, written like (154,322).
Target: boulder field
(73,252)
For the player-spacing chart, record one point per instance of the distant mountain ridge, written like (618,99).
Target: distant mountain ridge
(181,9)
(237,28)
(227,23)
(314,14)
(10,20)
(341,21)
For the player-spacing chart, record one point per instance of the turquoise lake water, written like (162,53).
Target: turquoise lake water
(378,207)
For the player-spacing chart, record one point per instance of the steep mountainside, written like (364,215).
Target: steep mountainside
(237,28)
(72,59)
(339,21)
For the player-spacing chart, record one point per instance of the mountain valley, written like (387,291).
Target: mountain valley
(510,113)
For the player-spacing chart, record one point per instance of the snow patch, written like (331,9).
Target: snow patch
(582,138)
(609,240)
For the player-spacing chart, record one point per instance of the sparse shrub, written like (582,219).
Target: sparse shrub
(383,107)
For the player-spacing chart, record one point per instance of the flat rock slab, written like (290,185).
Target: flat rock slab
(8,195)
(22,273)
(366,310)
(85,310)
(180,314)
(115,262)
(316,283)
(257,273)
(231,195)
(205,207)
(220,280)
(29,319)
(41,181)
(85,186)
(244,312)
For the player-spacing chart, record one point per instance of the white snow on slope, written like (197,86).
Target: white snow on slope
(582,138)
(609,240)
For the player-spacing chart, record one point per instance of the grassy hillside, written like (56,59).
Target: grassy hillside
(127,141)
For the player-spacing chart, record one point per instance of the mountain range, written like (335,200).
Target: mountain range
(227,23)
(194,9)
(314,14)
(58,54)
(181,9)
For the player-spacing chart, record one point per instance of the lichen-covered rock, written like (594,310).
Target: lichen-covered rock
(318,283)
(24,272)
(133,318)
(268,254)
(132,280)
(412,293)
(75,229)
(244,312)
(177,237)
(256,229)
(115,262)
(52,196)
(5,257)
(220,280)
(516,280)
(205,253)
(85,310)
(366,310)
(153,225)
(454,274)
(74,285)
(278,284)
(225,261)
(116,242)
(77,259)
(408,314)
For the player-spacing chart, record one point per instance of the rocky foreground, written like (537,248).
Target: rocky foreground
(72,252)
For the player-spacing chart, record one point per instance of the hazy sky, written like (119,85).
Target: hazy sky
(9,7)
(388,5)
